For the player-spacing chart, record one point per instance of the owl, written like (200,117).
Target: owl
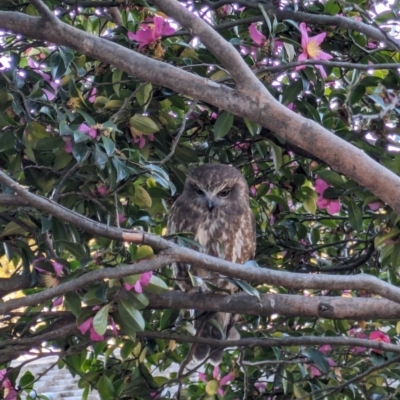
(214,207)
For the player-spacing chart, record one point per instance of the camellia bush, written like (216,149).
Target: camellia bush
(105,106)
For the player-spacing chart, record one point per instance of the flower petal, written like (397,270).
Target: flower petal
(334,207)
(226,379)
(304,36)
(318,39)
(202,376)
(95,336)
(84,327)
(321,70)
(256,36)
(145,278)
(216,372)
(320,186)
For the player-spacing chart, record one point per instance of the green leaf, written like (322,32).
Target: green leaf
(319,359)
(355,216)
(106,388)
(109,145)
(223,125)
(247,288)
(144,94)
(381,239)
(253,127)
(116,77)
(131,315)
(73,302)
(127,348)
(156,285)
(100,320)
(144,124)
(276,152)
(27,380)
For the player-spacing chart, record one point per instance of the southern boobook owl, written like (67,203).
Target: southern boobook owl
(214,206)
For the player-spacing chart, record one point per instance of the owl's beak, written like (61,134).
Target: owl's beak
(210,205)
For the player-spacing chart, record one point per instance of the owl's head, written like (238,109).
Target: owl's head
(215,186)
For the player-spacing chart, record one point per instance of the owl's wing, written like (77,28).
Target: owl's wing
(182,219)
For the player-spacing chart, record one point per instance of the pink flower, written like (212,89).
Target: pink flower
(92,96)
(121,218)
(88,326)
(261,387)
(311,49)
(374,206)
(241,146)
(90,131)
(102,190)
(314,371)
(361,335)
(256,36)
(57,302)
(46,77)
(333,206)
(326,348)
(141,139)
(144,280)
(221,381)
(9,391)
(379,336)
(68,144)
(57,267)
(151,32)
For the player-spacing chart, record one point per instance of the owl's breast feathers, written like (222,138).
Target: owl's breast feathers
(227,234)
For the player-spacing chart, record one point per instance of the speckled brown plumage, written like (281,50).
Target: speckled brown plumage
(214,206)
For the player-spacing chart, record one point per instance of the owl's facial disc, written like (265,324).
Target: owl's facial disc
(212,199)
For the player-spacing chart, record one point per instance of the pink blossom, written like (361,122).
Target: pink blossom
(144,280)
(214,115)
(9,391)
(151,32)
(379,336)
(311,49)
(314,371)
(57,267)
(121,218)
(333,206)
(90,131)
(261,387)
(102,190)
(374,206)
(256,36)
(353,332)
(92,95)
(46,77)
(221,381)
(68,144)
(241,146)
(141,139)
(326,348)
(57,302)
(88,326)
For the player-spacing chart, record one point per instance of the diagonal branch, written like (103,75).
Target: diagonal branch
(222,50)
(173,253)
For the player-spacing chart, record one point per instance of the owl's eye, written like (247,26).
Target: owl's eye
(199,192)
(224,193)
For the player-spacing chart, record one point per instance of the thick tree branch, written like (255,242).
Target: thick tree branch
(257,105)
(173,253)
(222,50)
(287,305)
(306,341)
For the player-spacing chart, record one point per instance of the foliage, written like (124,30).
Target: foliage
(115,149)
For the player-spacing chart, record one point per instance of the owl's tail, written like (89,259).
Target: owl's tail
(213,326)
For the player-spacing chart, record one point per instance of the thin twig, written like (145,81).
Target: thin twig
(178,136)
